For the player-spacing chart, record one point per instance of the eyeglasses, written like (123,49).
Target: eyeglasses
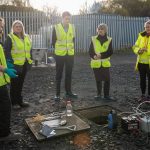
(100,29)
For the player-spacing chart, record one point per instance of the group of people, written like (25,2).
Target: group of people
(16,60)
(63,40)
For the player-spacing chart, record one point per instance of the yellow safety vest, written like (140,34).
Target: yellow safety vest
(64,43)
(98,48)
(20,50)
(142,42)
(4,78)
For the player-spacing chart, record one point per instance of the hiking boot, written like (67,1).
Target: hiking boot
(71,95)
(10,137)
(24,105)
(16,107)
(57,98)
(108,99)
(98,97)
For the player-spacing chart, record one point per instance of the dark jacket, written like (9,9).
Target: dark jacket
(144,33)
(108,53)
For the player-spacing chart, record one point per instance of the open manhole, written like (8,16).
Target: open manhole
(98,114)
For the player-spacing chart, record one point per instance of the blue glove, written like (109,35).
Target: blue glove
(11,72)
(9,63)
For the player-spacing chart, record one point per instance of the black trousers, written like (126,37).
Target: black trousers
(102,76)
(17,84)
(5,111)
(106,87)
(144,71)
(68,62)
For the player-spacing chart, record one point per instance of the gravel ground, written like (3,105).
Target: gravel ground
(39,89)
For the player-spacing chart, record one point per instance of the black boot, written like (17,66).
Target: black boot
(71,95)
(24,104)
(57,98)
(108,99)
(98,97)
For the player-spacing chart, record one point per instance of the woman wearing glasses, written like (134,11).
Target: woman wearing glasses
(100,51)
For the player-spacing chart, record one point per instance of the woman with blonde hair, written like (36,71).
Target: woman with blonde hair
(18,55)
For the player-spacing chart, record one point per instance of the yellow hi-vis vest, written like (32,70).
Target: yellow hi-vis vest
(20,50)
(64,43)
(4,78)
(142,42)
(98,48)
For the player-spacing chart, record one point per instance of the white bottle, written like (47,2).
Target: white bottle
(69,110)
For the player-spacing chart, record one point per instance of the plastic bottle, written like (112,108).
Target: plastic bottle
(110,120)
(69,110)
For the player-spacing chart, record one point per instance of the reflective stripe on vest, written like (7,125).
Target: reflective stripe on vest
(64,43)
(20,49)
(98,48)
(4,78)
(142,42)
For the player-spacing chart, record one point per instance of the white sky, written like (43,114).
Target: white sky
(72,6)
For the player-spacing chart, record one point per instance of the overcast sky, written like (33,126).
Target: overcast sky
(71,5)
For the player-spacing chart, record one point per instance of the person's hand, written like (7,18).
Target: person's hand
(95,57)
(99,56)
(11,72)
(142,50)
(9,63)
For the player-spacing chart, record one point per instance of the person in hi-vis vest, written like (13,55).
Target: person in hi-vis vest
(100,51)
(142,50)
(5,103)
(18,55)
(63,37)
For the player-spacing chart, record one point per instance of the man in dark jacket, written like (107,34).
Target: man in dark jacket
(63,41)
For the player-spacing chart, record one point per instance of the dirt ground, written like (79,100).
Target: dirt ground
(39,90)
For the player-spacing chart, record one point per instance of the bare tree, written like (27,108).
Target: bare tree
(84,9)
(18,3)
(51,11)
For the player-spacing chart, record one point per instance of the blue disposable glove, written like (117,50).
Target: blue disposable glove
(11,72)
(9,63)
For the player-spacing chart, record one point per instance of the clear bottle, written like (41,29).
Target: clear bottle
(69,110)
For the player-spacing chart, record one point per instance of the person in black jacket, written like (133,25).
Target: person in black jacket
(18,55)
(64,54)
(100,51)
